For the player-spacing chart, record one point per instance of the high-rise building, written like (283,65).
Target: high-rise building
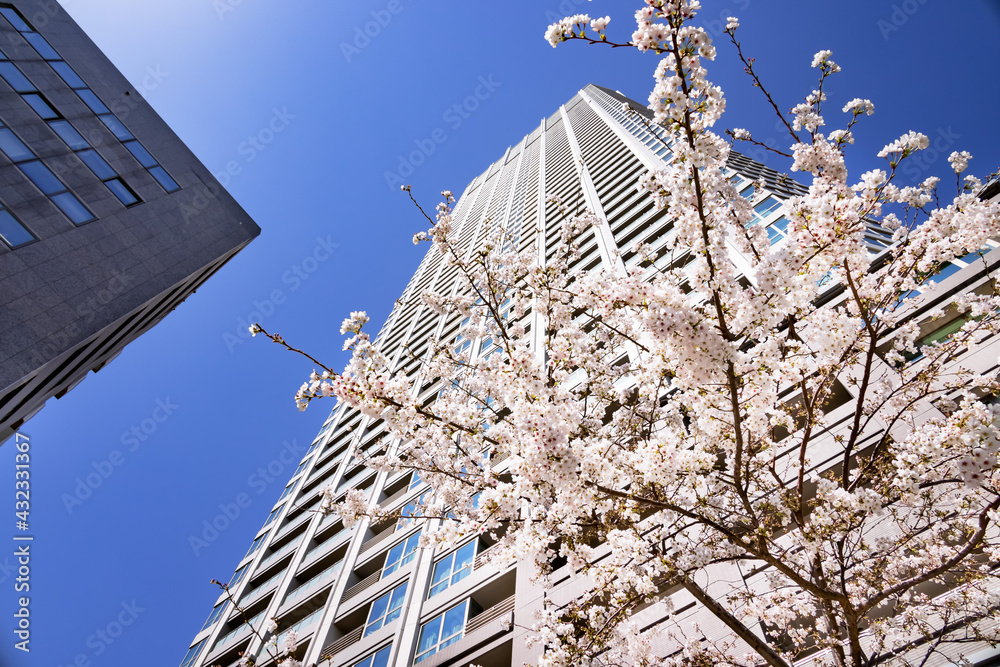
(107,220)
(368,596)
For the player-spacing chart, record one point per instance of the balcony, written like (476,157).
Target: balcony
(361,586)
(336,647)
(259,590)
(280,553)
(389,529)
(484,631)
(317,582)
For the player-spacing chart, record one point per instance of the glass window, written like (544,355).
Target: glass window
(256,544)
(378,659)
(272,515)
(288,490)
(192,654)
(72,207)
(453,568)
(13,232)
(216,613)
(766,207)
(97,163)
(238,576)
(41,107)
(410,511)
(163,178)
(13,76)
(386,609)
(92,101)
(71,78)
(441,631)
(122,191)
(41,176)
(415,481)
(777,230)
(69,134)
(13,147)
(947,270)
(141,154)
(117,127)
(15,19)
(44,49)
(401,554)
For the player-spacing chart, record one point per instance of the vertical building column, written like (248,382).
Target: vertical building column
(605,242)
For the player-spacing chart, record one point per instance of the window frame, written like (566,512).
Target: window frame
(451,557)
(442,642)
(398,596)
(407,552)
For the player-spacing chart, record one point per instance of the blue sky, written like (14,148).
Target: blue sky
(211,407)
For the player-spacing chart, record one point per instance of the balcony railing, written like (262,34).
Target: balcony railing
(483,556)
(324,578)
(360,586)
(375,541)
(493,613)
(280,553)
(296,522)
(396,497)
(260,589)
(336,647)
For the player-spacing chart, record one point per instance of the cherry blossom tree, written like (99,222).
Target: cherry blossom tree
(652,432)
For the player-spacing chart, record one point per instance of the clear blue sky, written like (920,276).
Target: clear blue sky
(225,70)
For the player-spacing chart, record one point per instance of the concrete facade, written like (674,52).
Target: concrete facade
(73,297)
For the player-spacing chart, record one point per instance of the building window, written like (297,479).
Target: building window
(453,568)
(410,512)
(256,544)
(238,576)
(288,490)
(12,232)
(377,659)
(42,177)
(21,84)
(386,609)
(273,515)
(216,614)
(401,554)
(443,630)
(193,652)
(97,164)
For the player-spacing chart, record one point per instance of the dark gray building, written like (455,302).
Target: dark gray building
(107,220)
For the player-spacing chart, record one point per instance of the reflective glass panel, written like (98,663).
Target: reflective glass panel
(72,207)
(68,75)
(40,106)
(97,163)
(12,231)
(44,49)
(13,147)
(160,174)
(124,195)
(92,101)
(41,176)
(15,19)
(140,153)
(69,134)
(13,76)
